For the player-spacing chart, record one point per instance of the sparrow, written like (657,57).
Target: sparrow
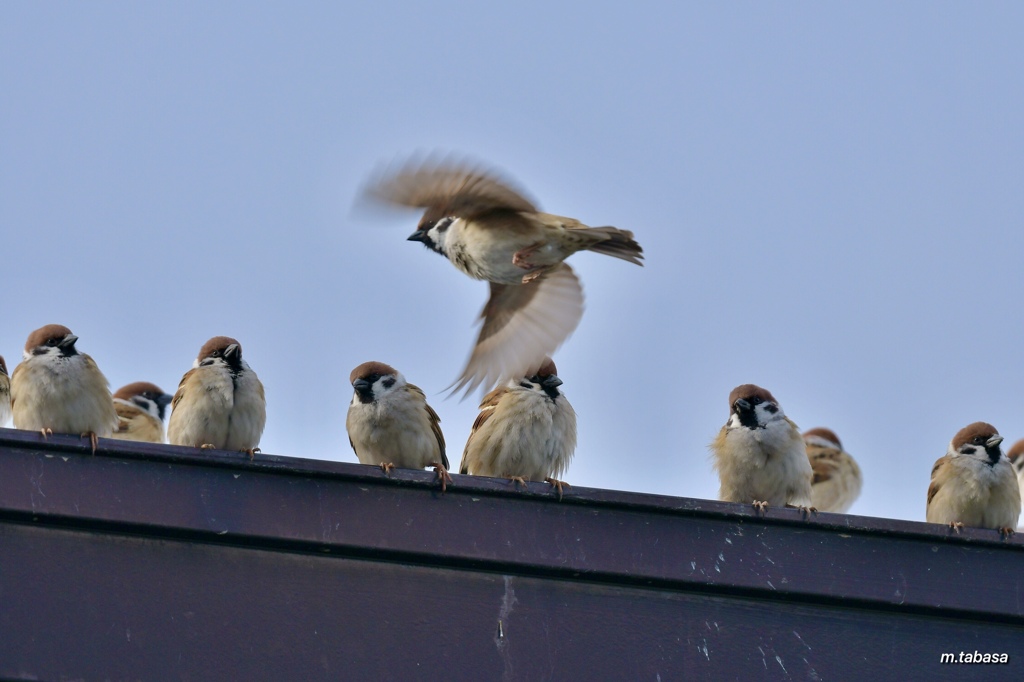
(220,401)
(526,430)
(837,479)
(974,484)
(492,231)
(759,454)
(56,389)
(5,393)
(140,409)
(1014,455)
(390,424)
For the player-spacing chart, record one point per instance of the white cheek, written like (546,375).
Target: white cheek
(764,415)
(734,421)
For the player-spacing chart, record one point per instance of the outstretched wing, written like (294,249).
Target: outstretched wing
(523,325)
(448,188)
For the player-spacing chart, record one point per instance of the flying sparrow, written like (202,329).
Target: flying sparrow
(140,408)
(974,484)
(491,231)
(759,453)
(5,393)
(837,479)
(56,389)
(526,430)
(390,423)
(220,401)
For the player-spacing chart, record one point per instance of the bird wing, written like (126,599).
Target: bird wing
(487,407)
(435,424)
(523,325)
(449,189)
(938,480)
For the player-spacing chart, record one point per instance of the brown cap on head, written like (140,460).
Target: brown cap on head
(748,391)
(547,368)
(824,434)
(218,343)
(3,365)
(975,430)
(370,368)
(1016,451)
(40,336)
(137,388)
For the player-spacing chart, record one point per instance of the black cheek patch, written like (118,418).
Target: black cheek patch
(388,382)
(771,408)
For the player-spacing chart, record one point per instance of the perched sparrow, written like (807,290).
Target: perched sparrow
(390,423)
(220,401)
(5,393)
(1014,455)
(526,430)
(140,408)
(56,389)
(974,484)
(490,231)
(759,453)
(837,479)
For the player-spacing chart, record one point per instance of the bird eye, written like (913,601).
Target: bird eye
(978,440)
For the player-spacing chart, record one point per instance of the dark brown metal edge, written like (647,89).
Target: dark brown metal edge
(484,524)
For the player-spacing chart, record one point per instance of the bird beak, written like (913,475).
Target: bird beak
(67,342)
(418,236)
(994,441)
(551,381)
(164,400)
(362,386)
(742,405)
(233,349)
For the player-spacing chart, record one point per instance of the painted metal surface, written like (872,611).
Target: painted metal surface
(159,562)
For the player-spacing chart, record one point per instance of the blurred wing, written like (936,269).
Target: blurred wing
(524,324)
(452,189)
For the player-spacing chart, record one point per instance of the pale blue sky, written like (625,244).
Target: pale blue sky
(829,197)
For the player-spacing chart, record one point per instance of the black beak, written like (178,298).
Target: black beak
(362,386)
(551,381)
(164,400)
(67,342)
(418,236)
(233,349)
(742,405)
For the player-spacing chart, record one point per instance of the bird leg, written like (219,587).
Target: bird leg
(761,506)
(207,446)
(93,439)
(386,467)
(1006,532)
(558,485)
(956,525)
(805,511)
(518,480)
(46,431)
(252,453)
(442,475)
(521,258)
